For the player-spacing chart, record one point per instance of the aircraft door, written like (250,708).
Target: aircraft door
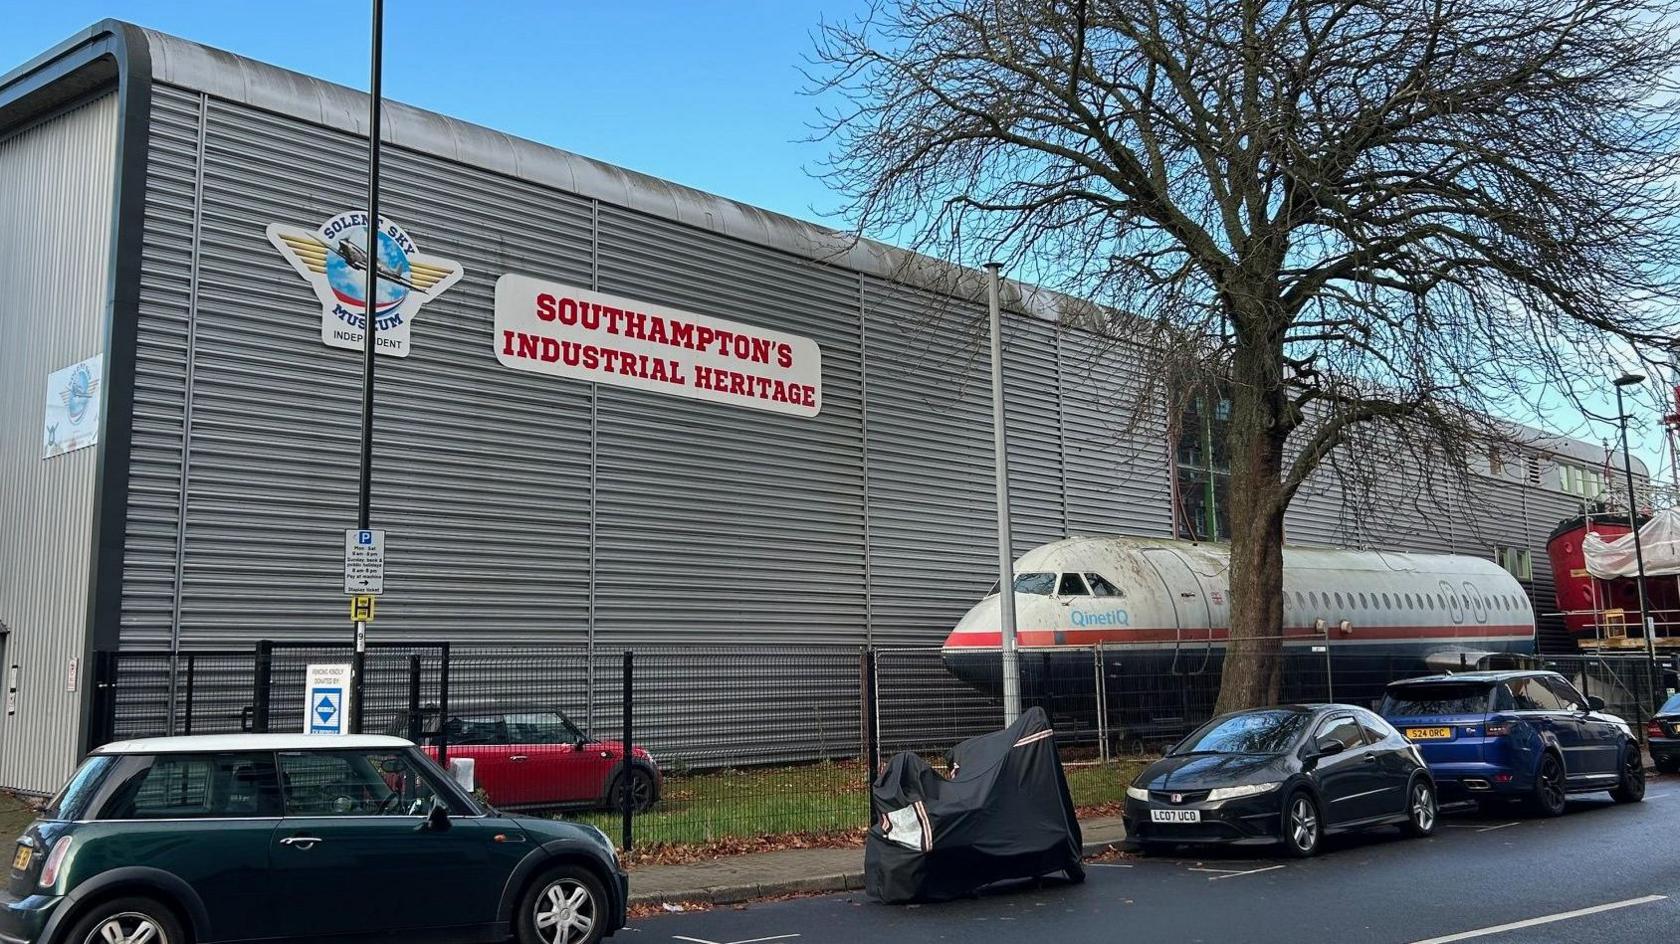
(1193,642)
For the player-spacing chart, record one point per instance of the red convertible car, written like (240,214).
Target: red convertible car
(541,759)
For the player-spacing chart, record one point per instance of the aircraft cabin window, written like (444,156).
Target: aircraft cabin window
(1361,596)
(1338,595)
(1072,585)
(1313,596)
(1386,604)
(1036,584)
(1100,587)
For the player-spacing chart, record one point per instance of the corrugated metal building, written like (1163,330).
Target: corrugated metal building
(139,174)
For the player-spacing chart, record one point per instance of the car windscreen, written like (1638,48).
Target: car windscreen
(1670,707)
(1252,732)
(1437,698)
(72,801)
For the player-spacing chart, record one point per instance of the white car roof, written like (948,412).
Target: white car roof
(212,743)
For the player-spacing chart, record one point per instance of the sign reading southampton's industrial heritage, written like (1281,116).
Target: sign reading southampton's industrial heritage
(550,328)
(333,260)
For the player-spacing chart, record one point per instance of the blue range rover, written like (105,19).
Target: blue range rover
(1516,735)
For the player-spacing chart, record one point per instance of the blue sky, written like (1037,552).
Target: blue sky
(705,93)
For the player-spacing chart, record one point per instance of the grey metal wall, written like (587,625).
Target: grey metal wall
(524,508)
(56,191)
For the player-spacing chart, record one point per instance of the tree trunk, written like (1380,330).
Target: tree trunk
(1257,433)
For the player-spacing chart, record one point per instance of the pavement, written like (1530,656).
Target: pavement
(733,879)
(1602,873)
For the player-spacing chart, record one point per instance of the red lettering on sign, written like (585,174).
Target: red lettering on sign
(545,307)
(784,354)
(568,313)
(635,325)
(527,345)
(550,350)
(590,317)
(507,343)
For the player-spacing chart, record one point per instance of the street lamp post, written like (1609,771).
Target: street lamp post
(1630,380)
(364,492)
(1006,554)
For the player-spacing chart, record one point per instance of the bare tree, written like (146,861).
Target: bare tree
(1347,213)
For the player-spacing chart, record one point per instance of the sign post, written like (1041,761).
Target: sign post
(324,699)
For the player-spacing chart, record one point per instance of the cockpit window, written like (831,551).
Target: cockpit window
(1040,584)
(1072,586)
(1100,587)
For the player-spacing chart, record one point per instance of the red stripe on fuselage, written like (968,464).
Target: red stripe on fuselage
(1050,638)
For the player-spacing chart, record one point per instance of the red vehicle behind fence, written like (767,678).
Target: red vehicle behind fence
(541,759)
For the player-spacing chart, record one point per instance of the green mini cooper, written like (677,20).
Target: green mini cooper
(294,837)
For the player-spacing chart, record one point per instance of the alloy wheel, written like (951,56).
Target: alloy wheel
(1303,823)
(1551,784)
(130,927)
(565,912)
(1423,807)
(641,791)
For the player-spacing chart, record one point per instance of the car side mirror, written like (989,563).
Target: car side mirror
(437,818)
(1595,703)
(1325,746)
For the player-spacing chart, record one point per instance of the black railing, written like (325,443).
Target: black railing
(723,745)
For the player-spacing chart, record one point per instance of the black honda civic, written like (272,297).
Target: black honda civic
(1291,775)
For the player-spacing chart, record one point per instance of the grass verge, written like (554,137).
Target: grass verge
(734,811)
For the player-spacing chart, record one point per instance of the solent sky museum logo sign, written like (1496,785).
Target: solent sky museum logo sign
(563,331)
(332,259)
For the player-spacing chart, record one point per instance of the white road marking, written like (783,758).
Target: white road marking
(1462,825)
(1654,796)
(1099,865)
(756,940)
(1544,919)
(1489,829)
(1269,868)
(1231,871)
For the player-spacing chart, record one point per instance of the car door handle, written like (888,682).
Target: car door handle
(305,843)
(518,759)
(1370,758)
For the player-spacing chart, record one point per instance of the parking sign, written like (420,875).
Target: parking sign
(364,561)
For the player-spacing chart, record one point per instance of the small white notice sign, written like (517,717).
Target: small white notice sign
(364,562)
(326,689)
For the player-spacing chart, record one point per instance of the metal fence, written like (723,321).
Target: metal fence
(736,743)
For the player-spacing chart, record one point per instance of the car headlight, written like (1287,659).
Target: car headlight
(606,840)
(1232,793)
(1137,793)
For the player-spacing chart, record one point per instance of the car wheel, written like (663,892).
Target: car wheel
(567,905)
(1550,793)
(1303,825)
(1631,788)
(1075,874)
(1421,809)
(128,921)
(642,795)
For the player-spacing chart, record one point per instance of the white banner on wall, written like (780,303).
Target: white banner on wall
(73,405)
(563,331)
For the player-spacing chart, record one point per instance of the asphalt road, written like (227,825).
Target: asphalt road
(1618,866)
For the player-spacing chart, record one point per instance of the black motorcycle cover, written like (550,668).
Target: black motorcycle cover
(1004,813)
